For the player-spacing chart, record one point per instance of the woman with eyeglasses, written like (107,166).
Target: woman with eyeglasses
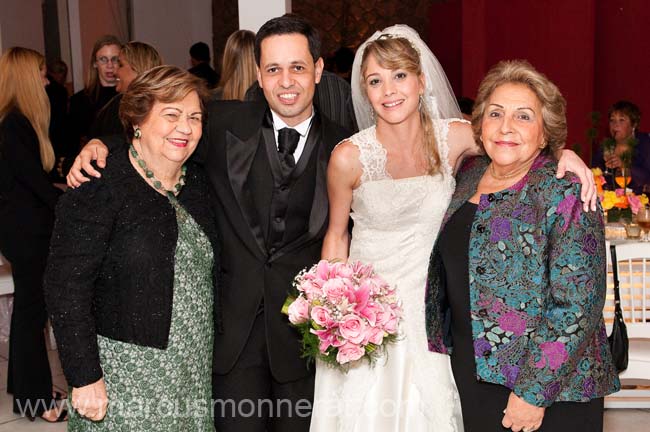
(99,90)
(135,58)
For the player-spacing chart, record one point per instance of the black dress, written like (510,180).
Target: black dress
(483,403)
(27,201)
(107,121)
(83,111)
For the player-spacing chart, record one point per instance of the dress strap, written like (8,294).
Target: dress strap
(372,155)
(441,128)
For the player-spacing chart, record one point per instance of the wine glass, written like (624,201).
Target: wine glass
(609,148)
(643,219)
(622,177)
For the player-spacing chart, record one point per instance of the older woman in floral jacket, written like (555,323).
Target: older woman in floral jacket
(517,276)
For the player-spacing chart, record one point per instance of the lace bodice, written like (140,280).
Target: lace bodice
(397,220)
(372,153)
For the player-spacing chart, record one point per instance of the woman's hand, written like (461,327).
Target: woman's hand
(612,160)
(90,401)
(94,150)
(570,161)
(519,415)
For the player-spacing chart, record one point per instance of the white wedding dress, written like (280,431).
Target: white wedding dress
(396,222)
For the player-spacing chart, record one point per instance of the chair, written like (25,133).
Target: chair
(634,282)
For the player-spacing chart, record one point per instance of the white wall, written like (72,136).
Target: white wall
(254,13)
(172,26)
(21,24)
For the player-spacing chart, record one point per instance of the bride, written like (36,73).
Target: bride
(395,179)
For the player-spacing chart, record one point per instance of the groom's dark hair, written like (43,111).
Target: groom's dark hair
(288,24)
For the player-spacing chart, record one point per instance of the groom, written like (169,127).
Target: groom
(267,162)
(268,165)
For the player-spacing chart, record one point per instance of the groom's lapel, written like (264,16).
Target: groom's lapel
(240,154)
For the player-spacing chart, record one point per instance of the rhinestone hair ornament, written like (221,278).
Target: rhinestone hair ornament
(438,98)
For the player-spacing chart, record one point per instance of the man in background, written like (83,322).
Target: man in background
(200,60)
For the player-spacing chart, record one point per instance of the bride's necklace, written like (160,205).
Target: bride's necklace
(511,174)
(157,184)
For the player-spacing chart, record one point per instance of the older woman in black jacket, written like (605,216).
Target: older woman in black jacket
(130,277)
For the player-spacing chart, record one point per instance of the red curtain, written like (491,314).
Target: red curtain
(596,51)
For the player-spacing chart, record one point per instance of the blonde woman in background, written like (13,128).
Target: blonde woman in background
(238,70)
(27,201)
(135,58)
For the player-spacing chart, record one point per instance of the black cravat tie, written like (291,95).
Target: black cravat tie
(287,142)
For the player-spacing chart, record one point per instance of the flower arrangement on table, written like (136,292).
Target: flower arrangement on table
(344,311)
(619,204)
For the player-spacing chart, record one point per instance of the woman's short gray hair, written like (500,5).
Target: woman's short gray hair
(552,101)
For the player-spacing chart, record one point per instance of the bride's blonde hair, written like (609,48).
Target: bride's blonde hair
(398,53)
(21,88)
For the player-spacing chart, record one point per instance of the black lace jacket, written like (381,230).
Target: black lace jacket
(111,264)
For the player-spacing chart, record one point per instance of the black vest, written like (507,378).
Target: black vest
(283,199)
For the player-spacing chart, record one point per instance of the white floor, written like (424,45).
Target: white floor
(616,420)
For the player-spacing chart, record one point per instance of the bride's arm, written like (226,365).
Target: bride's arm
(343,175)
(461,143)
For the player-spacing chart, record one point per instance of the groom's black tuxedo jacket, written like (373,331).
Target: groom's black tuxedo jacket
(271,226)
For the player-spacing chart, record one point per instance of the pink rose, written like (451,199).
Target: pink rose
(376,284)
(340,270)
(391,324)
(334,290)
(349,352)
(375,335)
(321,316)
(299,311)
(352,328)
(310,289)
(635,203)
(382,315)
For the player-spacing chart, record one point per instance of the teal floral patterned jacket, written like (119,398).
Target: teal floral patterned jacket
(537,288)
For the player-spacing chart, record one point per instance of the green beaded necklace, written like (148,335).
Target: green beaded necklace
(157,184)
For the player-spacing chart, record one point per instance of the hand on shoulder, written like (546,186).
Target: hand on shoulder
(95,150)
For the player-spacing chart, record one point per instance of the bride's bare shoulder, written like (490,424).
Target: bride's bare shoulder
(345,155)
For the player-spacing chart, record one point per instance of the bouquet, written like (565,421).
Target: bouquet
(344,312)
(619,204)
